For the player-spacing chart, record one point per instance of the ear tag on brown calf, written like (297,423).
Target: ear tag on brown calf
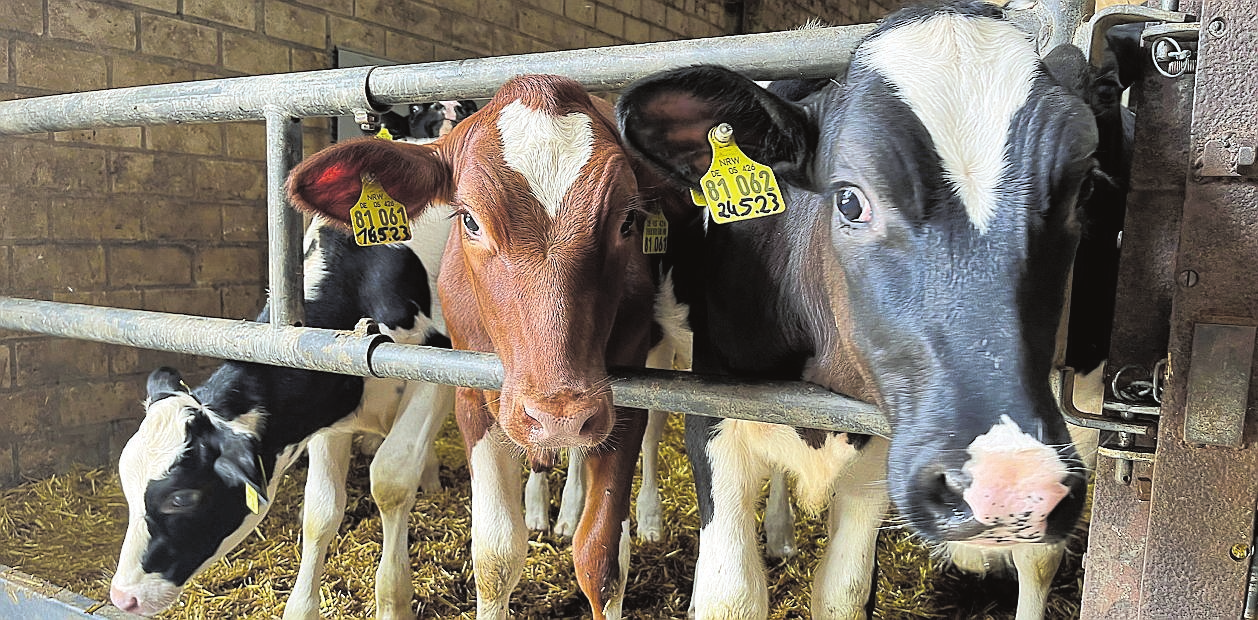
(736,187)
(655,234)
(384,134)
(378,219)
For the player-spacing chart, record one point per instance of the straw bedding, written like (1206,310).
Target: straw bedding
(68,529)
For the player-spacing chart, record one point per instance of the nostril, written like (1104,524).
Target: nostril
(123,601)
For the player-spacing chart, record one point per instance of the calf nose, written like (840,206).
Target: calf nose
(570,424)
(123,600)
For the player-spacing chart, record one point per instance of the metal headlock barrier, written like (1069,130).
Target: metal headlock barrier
(282,100)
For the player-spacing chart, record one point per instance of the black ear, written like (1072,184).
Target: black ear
(1069,68)
(237,462)
(163,382)
(467,107)
(1124,54)
(666,118)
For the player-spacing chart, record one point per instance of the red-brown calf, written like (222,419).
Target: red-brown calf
(544,267)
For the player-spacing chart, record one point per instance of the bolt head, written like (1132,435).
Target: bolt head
(1240,551)
(1245,156)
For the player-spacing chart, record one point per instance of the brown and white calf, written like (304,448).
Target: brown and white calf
(921,264)
(544,267)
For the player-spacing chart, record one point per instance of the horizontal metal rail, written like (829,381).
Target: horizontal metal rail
(781,402)
(817,52)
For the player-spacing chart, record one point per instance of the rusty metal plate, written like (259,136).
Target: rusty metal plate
(1203,497)
(1218,384)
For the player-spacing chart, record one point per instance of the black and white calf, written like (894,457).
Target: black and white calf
(921,264)
(186,471)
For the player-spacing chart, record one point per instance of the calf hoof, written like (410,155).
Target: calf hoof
(565,527)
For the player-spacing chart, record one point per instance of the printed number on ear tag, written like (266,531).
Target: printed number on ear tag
(378,219)
(655,234)
(736,187)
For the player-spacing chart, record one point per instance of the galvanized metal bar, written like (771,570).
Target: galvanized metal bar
(284,229)
(29,598)
(333,92)
(299,347)
(782,402)
(819,52)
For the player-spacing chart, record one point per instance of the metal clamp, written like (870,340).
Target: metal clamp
(1077,417)
(1091,36)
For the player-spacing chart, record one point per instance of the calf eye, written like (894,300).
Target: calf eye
(626,228)
(470,223)
(181,501)
(852,206)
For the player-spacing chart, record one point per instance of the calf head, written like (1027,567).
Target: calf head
(937,186)
(544,266)
(184,475)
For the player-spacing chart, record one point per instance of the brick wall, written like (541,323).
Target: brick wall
(172,218)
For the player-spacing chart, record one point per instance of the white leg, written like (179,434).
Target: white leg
(499,538)
(322,511)
(729,574)
(1036,564)
(537,501)
(842,583)
(614,608)
(779,518)
(650,515)
(396,471)
(572,502)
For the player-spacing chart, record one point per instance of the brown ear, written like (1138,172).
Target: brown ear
(330,181)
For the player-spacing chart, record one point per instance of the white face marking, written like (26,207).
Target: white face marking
(965,92)
(548,151)
(314,268)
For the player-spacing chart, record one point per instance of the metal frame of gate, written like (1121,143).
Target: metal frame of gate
(1143,562)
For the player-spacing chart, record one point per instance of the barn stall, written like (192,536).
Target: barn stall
(1144,558)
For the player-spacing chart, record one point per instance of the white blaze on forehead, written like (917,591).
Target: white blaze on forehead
(547,150)
(964,77)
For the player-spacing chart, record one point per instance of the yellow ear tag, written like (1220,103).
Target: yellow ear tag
(378,219)
(736,187)
(384,134)
(655,234)
(252,499)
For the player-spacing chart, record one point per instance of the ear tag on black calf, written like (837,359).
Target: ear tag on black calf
(736,187)
(255,499)
(378,219)
(655,234)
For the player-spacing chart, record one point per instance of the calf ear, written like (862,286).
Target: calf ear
(666,118)
(330,181)
(237,462)
(163,382)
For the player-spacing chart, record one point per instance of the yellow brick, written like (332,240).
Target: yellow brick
(23,215)
(102,401)
(163,36)
(178,219)
(500,12)
(195,301)
(405,16)
(90,219)
(344,7)
(406,49)
(6,367)
(243,302)
(149,265)
(58,166)
(91,22)
(246,140)
(4,60)
(611,22)
(149,173)
(232,180)
(46,66)
(128,137)
(244,223)
(27,411)
(46,361)
(23,15)
(198,139)
(296,24)
(230,265)
(133,361)
(309,60)
(134,71)
(238,13)
(253,55)
(44,268)
(132,299)
(580,10)
(474,35)
(357,35)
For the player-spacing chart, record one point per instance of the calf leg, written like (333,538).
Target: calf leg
(499,537)
(537,501)
(779,518)
(729,574)
(649,513)
(842,584)
(396,472)
(572,503)
(322,511)
(1036,565)
(600,547)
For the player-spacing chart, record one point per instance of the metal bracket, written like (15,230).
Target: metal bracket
(1091,37)
(1077,417)
(1218,384)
